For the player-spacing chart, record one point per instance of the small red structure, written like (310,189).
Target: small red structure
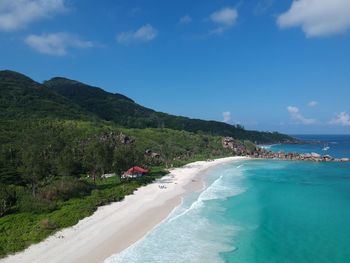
(136,170)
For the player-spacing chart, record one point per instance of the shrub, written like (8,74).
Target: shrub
(65,188)
(49,196)
(37,204)
(7,199)
(47,224)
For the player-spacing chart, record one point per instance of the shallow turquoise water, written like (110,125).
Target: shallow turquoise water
(291,212)
(257,211)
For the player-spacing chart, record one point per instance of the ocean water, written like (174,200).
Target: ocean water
(264,211)
(339,145)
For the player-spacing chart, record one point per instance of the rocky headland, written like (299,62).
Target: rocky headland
(249,149)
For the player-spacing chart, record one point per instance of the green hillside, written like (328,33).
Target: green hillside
(125,112)
(22,97)
(60,98)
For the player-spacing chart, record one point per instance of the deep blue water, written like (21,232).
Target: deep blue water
(263,211)
(339,145)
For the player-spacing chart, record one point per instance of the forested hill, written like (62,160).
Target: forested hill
(60,98)
(125,112)
(22,98)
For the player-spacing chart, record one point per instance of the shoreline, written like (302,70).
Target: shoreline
(115,227)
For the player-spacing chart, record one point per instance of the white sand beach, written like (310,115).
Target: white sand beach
(114,227)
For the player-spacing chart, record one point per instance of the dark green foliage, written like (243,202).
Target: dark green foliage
(64,188)
(44,150)
(34,204)
(7,198)
(21,97)
(125,112)
(94,159)
(36,157)
(51,156)
(125,156)
(49,196)
(9,162)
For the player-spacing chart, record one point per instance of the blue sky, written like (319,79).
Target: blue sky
(266,64)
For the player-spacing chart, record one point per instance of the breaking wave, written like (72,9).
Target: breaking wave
(191,233)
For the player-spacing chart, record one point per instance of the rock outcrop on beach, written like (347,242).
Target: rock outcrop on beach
(240,148)
(315,157)
(246,149)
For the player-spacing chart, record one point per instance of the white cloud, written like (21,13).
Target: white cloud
(342,118)
(16,14)
(226,16)
(298,117)
(185,19)
(227,116)
(292,109)
(317,17)
(224,19)
(312,103)
(145,33)
(57,43)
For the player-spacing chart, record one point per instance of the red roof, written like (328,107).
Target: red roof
(137,169)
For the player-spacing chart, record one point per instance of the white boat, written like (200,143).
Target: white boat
(325,148)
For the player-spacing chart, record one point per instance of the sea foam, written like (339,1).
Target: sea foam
(190,233)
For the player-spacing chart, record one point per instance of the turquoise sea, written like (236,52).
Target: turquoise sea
(264,211)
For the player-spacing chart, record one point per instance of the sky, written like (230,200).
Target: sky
(272,65)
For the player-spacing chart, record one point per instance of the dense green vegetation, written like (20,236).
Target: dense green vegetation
(125,112)
(19,230)
(21,97)
(58,139)
(50,174)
